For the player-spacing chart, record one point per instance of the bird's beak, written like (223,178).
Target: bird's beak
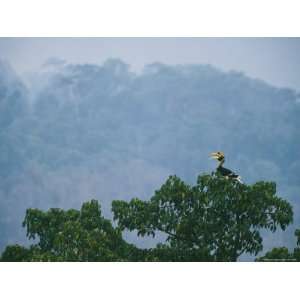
(214,155)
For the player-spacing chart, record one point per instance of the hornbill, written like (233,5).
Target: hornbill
(223,171)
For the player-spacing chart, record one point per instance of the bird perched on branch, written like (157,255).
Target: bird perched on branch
(220,157)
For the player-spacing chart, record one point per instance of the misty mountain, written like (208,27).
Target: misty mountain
(77,132)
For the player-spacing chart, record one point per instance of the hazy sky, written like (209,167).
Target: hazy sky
(275,60)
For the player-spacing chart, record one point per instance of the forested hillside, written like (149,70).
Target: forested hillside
(78,132)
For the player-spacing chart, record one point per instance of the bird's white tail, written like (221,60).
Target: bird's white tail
(239,179)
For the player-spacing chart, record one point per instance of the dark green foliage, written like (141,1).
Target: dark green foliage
(217,219)
(15,253)
(282,253)
(71,236)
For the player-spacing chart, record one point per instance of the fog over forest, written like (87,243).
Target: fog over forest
(78,132)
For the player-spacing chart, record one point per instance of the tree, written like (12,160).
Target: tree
(16,253)
(215,220)
(282,253)
(277,254)
(71,235)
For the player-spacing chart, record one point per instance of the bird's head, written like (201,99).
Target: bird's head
(218,155)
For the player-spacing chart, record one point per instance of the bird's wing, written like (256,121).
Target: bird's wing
(227,172)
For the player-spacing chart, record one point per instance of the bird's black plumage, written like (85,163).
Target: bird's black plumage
(224,171)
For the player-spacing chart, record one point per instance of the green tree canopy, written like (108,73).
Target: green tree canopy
(217,219)
(70,235)
(283,253)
